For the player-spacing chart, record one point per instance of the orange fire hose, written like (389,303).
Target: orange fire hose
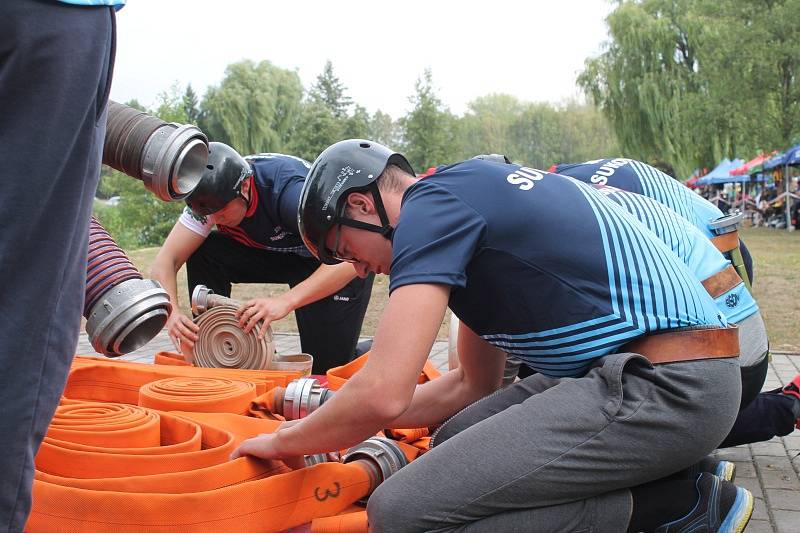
(339,375)
(343,523)
(123,468)
(202,394)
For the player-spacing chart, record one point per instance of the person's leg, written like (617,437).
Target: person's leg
(771,414)
(329,328)
(55,70)
(222,260)
(568,443)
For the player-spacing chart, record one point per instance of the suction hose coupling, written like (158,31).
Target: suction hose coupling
(168,157)
(123,311)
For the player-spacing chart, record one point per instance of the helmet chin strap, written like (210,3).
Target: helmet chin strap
(386,229)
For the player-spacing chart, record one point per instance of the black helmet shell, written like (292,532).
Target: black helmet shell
(221,181)
(494,158)
(343,168)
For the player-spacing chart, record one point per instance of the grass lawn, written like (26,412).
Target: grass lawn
(776,255)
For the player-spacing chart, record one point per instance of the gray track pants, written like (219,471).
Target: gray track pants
(558,455)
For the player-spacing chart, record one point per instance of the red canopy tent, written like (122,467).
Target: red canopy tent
(753,163)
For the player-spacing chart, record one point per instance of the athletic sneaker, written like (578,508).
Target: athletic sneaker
(721,507)
(725,470)
(793,390)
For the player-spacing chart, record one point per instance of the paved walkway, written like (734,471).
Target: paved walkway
(770,470)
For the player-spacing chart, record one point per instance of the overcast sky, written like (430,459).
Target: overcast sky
(531,49)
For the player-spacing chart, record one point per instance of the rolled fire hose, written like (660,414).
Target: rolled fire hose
(122,468)
(123,311)
(300,398)
(198,394)
(221,342)
(168,157)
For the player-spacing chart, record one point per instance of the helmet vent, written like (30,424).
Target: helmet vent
(210,167)
(364,145)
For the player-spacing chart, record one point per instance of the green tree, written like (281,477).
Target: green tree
(255,107)
(382,129)
(356,125)
(331,92)
(190,105)
(316,129)
(430,130)
(688,82)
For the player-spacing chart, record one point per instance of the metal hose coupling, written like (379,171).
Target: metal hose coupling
(302,397)
(204,299)
(383,454)
(168,157)
(123,311)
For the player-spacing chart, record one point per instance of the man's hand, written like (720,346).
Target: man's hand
(266,309)
(263,446)
(181,329)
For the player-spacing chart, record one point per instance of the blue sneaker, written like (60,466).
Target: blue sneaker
(721,507)
(725,470)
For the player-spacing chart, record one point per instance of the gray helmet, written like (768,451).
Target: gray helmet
(348,166)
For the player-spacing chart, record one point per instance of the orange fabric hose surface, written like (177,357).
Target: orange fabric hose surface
(265,505)
(342,523)
(170,358)
(339,375)
(107,472)
(203,394)
(119,381)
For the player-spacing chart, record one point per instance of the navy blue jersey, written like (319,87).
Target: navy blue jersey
(635,176)
(542,266)
(689,244)
(271,219)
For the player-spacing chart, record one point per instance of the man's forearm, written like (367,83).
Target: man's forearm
(436,401)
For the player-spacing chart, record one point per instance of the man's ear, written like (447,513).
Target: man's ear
(360,203)
(246,187)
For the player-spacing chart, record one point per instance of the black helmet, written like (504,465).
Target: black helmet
(343,168)
(494,158)
(221,181)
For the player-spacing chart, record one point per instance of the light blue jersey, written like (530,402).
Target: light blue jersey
(689,244)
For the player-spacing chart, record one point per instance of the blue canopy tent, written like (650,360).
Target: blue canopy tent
(790,157)
(722,173)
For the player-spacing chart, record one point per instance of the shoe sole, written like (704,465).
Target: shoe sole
(739,515)
(726,470)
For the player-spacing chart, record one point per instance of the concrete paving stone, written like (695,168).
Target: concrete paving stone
(759,526)
(775,449)
(777,473)
(739,453)
(751,484)
(792,441)
(786,521)
(788,500)
(759,509)
(745,469)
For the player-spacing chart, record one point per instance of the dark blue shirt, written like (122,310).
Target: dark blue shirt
(271,219)
(542,266)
